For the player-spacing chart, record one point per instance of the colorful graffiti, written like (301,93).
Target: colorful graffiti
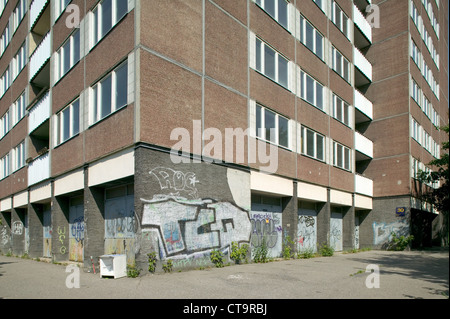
(307,233)
(185,227)
(267,226)
(382,232)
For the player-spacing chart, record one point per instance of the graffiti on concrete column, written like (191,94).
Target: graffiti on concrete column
(306,233)
(176,183)
(17,228)
(382,232)
(186,227)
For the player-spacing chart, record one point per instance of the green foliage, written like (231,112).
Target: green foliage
(288,251)
(238,253)
(399,243)
(261,252)
(151,262)
(217,258)
(306,254)
(326,251)
(168,267)
(133,271)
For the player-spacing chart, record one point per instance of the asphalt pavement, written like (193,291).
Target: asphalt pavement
(363,275)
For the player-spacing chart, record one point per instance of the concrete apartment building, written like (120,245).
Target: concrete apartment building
(179,127)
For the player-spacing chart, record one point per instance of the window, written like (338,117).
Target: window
(18,62)
(4,124)
(341,156)
(271,126)
(416,131)
(18,157)
(320,4)
(18,110)
(4,166)
(277,9)
(341,110)
(311,38)
(68,122)
(340,19)
(416,55)
(341,65)
(311,90)
(312,144)
(110,94)
(4,40)
(68,55)
(106,15)
(270,63)
(416,92)
(60,7)
(5,82)
(18,14)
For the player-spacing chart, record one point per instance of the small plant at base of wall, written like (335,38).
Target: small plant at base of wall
(217,258)
(168,267)
(151,262)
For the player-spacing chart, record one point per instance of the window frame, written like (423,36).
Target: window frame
(96,93)
(304,90)
(261,129)
(304,143)
(97,33)
(60,123)
(345,150)
(303,37)
(260,65)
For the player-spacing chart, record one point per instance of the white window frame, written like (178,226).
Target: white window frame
(304,90)
(262,58)
(5,126)
(345,110)
(5,39)
(60,124)
(315,33)
(304,144)
(97,34)
(18,157)
(18,14)
(345,150)
(5,168)
(18,110)
(96,96)
(343,63)
(18,62)
(60,55)
(276,15)
(344,19)
(5,82)
(260,129)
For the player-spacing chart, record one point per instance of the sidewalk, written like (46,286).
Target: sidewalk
(403,275)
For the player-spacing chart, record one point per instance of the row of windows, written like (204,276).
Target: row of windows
(13,70)
(423,138)
(13,115)
(417,19)
(276,67)
(429,9)
(12,161)
(417,167)
(277,129)
(425,104)
(107,96)
(13,23)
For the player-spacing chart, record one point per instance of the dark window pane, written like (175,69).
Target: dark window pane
(309,89)
(283,13)
(106,16)
(122,9)
(76,47)
(270,7)
(269,124)
(258,121)
(282,71)
(309,36)
(283,131)
(269,62)
(122,85)
(310,143)
(106,97)
(76,117)
(320,147)
(319,95)
(258,55)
